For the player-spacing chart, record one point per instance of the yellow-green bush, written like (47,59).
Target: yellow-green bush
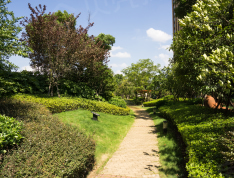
(158,102)
(57,105)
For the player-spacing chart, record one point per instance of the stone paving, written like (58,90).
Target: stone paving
(137,155)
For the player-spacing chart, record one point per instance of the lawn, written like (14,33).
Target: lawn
(108,132)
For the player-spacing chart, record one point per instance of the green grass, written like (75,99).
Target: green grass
(171,148)
(108,132)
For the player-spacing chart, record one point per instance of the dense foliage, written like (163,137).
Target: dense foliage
(10,132)
(140,75)
(59,49)
(118,102)
(57,105)
(49,148)
(201,129)
(203,50)
(183,7)
(23,82)
(9,43)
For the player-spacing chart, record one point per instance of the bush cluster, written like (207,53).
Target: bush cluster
(118,102)
(138,100)
(57,105)
(10,132)
(49,148)
(159,102)
(167,100)
(22,82)
(201,129)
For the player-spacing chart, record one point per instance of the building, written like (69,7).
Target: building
(175,22)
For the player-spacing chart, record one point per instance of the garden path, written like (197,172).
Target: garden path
(137,155)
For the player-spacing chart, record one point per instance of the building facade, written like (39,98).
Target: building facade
(175,22)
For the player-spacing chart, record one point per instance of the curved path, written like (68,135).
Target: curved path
(137,155)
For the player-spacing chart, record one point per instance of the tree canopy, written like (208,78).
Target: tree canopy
(203,48)
(58,48)
(141,74)
(183,7)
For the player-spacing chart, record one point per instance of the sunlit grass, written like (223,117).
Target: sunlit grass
(108,132)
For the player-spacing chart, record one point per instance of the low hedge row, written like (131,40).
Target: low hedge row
(9,132)
(57,105)
(49,148)
(158,102)
(201,129)
(118,102)
(167,100)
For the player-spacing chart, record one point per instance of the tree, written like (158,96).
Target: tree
(124,88)
(96,79)
(107,40)
(58,48)
(141,74)
(118,78)
(9,45)
(203,48)
(160,85)
(183,7)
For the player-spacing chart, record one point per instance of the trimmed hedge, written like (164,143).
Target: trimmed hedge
(158,102)
(201,129)
(167,100)
(9,132)
(57,105)
(50,148)
(118,102)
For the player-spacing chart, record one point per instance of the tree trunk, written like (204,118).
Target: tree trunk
(219,102)
(57,89)
(49,89)
(52,90)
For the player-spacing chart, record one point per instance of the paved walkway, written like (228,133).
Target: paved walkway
(137,155)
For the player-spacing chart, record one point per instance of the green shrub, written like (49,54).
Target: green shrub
(10,132)
(159,102)
(201,129)
(49,148)
(57,105)
(22,82)
(118,102)
(80,89)
(138,100)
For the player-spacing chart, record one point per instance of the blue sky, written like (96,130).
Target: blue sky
(142,28)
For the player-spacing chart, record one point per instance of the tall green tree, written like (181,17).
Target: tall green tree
(107,40)
(141,74)
(9,45)
(203,48)
(9,42)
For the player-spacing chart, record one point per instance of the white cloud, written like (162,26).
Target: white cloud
(158,35)
(164,47)
(120,65)
(113,65)
(123,65)
(28,68)
(164,57)
(121,55)
(118,72)
(114,48)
